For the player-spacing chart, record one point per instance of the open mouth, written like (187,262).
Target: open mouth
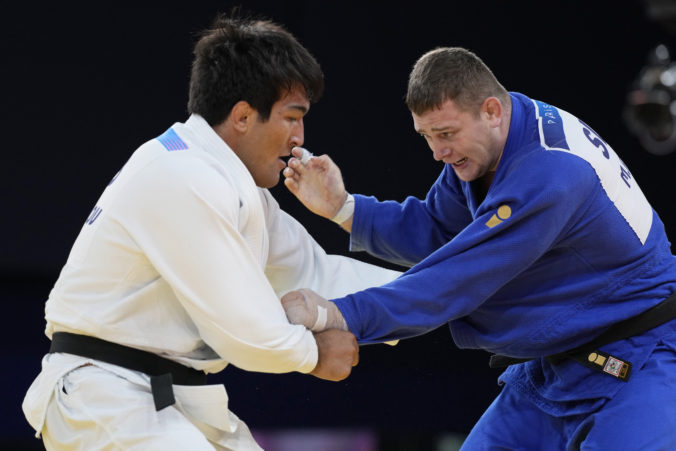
(285,159)
(460,162)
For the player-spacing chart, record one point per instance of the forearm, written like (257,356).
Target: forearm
(345,214)
(296,260)
(401,233)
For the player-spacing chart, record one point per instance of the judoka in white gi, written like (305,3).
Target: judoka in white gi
(186,255)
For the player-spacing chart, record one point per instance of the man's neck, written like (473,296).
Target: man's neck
(481,186)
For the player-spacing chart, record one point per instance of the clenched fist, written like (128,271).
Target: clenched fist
(338,353)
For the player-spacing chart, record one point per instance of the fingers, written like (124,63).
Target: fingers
(299,158)
(296,166)
(292,297)
(355,359)
(292,185)
(338,353)
(302,154)
(300,166)
(297,309)
(291,177)
(297,152)
(292,174)
(317,184)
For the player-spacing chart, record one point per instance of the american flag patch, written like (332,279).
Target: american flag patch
(171,141)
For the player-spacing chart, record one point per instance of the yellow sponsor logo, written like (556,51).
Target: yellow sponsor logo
(503,213)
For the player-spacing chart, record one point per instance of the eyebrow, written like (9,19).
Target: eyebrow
(436,129)
(302,108)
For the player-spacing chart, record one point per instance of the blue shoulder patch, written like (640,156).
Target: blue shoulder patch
(171,141)
(551,126)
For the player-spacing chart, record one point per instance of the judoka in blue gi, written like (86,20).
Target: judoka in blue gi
(534,240)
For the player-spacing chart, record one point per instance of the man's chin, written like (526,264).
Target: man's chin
(467,176)
(268,182)
(463,175)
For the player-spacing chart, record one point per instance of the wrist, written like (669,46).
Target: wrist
(335,318)
(346,210)
(320,322)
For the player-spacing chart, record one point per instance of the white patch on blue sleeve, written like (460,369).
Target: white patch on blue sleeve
(560,130)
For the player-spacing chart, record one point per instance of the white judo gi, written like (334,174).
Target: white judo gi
(185,257)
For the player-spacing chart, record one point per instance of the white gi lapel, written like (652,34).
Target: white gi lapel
(252,217)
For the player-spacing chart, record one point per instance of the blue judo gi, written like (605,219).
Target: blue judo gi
(563,245)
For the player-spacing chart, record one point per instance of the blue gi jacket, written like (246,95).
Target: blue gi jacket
(563,245)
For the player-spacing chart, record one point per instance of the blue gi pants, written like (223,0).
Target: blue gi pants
(641,416)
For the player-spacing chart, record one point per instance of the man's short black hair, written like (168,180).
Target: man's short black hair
(256,61)
(451,73)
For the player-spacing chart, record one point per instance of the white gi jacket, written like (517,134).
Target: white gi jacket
(185,257)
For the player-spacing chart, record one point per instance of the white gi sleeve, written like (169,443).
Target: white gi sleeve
(296,260)
(184,214)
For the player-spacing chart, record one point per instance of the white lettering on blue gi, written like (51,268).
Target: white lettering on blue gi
(567,133)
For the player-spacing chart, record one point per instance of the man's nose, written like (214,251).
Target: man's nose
(298,135)
(440,151)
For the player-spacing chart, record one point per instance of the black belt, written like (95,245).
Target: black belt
(589,355)
(163,372)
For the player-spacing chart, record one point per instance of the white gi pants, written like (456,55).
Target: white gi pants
(93,408)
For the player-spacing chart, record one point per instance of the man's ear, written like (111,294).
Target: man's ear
(242,114)
(492,108)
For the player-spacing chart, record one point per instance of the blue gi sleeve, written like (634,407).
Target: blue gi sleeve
(392,231)
(522,218)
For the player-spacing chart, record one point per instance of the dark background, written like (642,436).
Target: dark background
(83,87)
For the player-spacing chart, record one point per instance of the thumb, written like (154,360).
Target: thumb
(297,309)
(293,297)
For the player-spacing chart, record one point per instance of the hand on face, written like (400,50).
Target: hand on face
(318,184)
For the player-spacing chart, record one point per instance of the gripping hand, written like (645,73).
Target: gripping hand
(306,307)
